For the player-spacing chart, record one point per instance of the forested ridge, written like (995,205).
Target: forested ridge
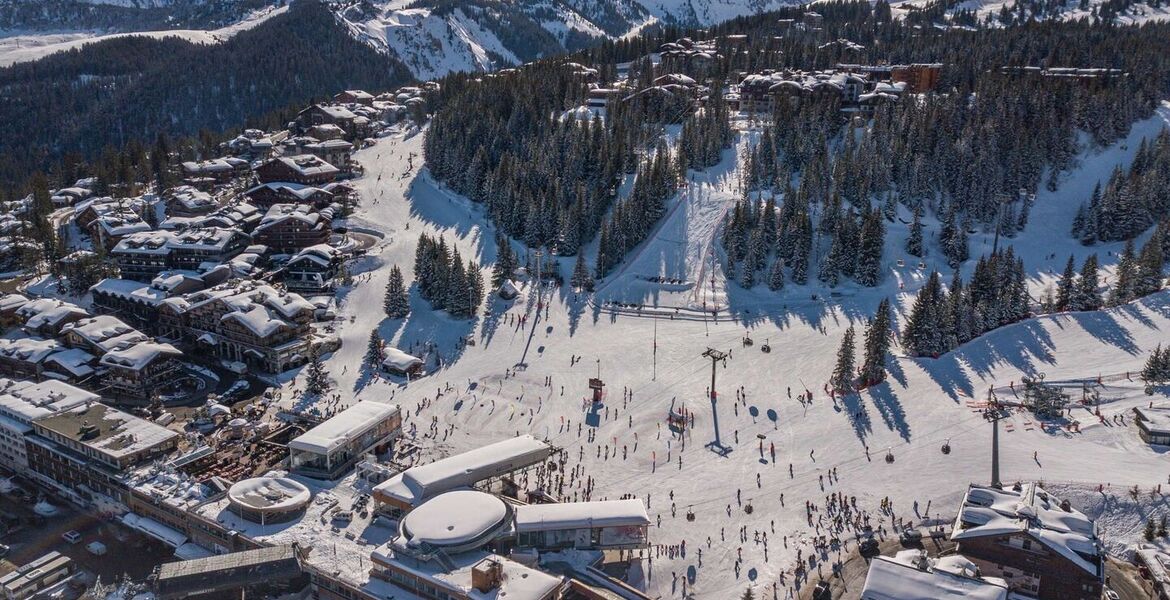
(72,105)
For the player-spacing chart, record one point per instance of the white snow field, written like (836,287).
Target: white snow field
(497,386)
(24,48)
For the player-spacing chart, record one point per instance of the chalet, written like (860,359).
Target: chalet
(312,270)
(305,170)
(143,256)
(101,334)
(142,370)
(108,220)
(254,144)
(9,304)
(47,316)
(321,114)
(24,358)
(288,228)
(319,133)
(73,365)
(70,196)
(1041,546)
(218,170)
(186,201)
(242,321)
(334,152)
(354,97)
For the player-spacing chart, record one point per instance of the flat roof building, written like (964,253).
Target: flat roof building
(418,484)
(330,449)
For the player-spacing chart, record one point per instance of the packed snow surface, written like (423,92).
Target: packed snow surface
(651,362)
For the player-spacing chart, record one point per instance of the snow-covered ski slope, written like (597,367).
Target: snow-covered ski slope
(497,385)
(1071,11)
(24,48)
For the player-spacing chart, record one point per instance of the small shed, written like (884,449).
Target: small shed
(508,290)
(398,362)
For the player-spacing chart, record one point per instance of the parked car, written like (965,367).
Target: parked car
(4,549)
(822,591)
(869,548)
(71,536)
(96,548)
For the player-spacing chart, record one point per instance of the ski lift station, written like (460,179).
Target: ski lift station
(331,448)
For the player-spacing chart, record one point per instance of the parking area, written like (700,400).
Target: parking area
(30,536)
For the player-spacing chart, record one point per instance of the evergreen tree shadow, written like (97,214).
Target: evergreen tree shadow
(491,322)
(447,211)
(894,370)
(433,335)
(1134,311)
(1020,346)
(886,402)
(1105,328)
(948,374)
(858,415)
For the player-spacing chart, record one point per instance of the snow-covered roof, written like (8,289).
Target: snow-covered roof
(454,518)
(74,361)
(26,401)
(266,494)
(106,332)
(297,190)
(11,302)
(29,350)
(1155,419)
(115,433)
(417,484)
(280,213)
(55,315)
(581,515)
(399,360)
(138,356)
(308,165)
(907,577)
(322,254)
(346,425)
(1031,510)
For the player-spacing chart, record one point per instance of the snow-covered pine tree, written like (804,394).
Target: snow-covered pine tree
(869,254)
(914,239)
(1124,282)
(842,380)
(1087,295)
(505,262)
(922,335)
(316,378)
(1156,368)
(877,346)
(1150,267)
(397,301)
(581,279)
(776,275)
(1066,285)
(374,349)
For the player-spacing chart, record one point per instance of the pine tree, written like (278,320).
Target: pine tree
(776,275)
(505,262)
(581,279)
(1087,296)
(914,239)
(877,346)
(1066,286)
(1152,371)
(842,379)
(869,254)
(316,378)
(1150,265)
(1125,280)
(374,349)
(922,335)
(397,301)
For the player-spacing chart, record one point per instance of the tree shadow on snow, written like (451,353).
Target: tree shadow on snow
(858,415)
(1104,327)
(886,402)
(1021,346)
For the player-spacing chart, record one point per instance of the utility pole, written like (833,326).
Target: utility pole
(716,356)
(992,413)
(654,352)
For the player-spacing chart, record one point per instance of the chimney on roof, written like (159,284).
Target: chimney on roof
(487,575)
